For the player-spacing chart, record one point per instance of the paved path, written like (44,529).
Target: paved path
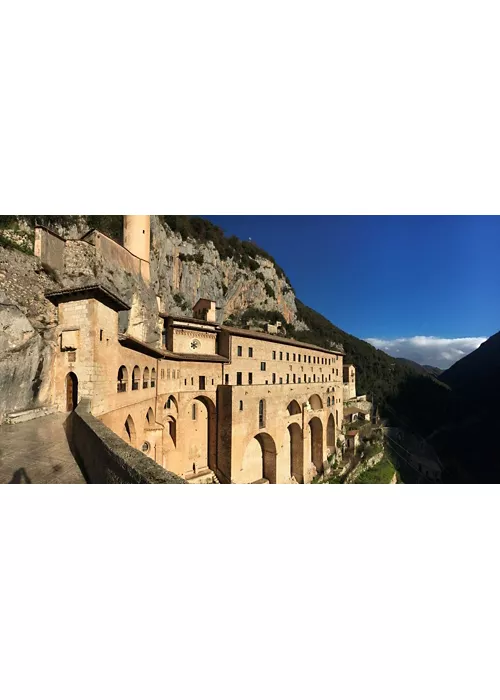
(37,452)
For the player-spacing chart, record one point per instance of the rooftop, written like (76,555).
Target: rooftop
(91,291)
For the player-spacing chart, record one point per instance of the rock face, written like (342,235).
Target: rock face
(27,339)
(180,279)
(182,271)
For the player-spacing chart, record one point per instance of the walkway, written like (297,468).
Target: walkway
(37,452)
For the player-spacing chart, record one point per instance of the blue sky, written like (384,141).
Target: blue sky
(389,278)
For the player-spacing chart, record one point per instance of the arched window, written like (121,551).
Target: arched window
(145,378)
(130,430)
(150,418)
(122,379)
(153,378)
(262,414)
(136,378)
(328,401)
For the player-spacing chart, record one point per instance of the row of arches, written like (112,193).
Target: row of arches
(148,380)
(261,455)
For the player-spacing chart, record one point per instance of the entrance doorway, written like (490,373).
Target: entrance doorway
(71,391)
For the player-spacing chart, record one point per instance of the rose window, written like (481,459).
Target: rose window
(195,344)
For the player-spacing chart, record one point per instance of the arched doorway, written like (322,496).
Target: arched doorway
(71,391)
(259,461)
(316,428)
(296,452)
(330,434)
(293,408)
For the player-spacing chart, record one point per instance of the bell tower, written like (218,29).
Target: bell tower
(136,239)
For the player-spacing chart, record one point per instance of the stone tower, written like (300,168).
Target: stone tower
(136,239)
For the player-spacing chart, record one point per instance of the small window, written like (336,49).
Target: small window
(262,414)
(274,354)
(294,380)
(337,372)
(163,374)
(193,411)
(238,378)
(281,380)
(299,380)
(192,381)
(299,358)
(100,334)
(250,352)
(294,357)
(226,379)
(288,379)
(274,378)
(241,405)
(263,366)
(240,350)
(153,378)
(281,355)
(250,377)
(305,378)
(185,382)
(202,383)
(168,374)
(288,357)
(212,382)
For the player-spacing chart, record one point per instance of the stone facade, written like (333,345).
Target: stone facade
(196,396)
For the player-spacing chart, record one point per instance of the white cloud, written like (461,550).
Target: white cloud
(428,350)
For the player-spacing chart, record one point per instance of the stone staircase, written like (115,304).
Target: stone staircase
(31,414)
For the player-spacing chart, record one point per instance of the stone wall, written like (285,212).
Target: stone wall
(105,458)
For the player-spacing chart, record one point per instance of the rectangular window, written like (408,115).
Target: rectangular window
(309,359)
(281,380)
(240,351)
(250,352)
(281,355)
(288,379)
(163,374)
(100,335)
(262,417)
(299,380)
(185,382)
(274,354)
(238,378)
(288,357)
(193,411)
(294,357)
(263,366)
(274,378)
(226,379)
(314,377)
(192,381)
(241,405)
(337,372)
(202,383)
(299,358)
(305,378)
(250,377)
(294,378)
(314,360)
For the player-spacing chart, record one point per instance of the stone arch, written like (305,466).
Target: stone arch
(316,429)
(293,408)
(330,433)
(145,378)
(136,377)
(259,460)
(202,437)
(122,379)
(171,404)
(130,432)
(296,452)
(315,402)
(71,391)
(150,418)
